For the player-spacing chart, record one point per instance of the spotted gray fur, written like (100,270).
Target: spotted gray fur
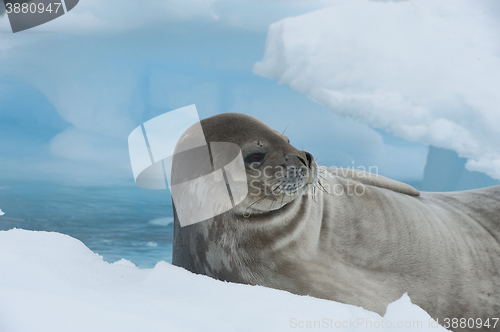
(367,250)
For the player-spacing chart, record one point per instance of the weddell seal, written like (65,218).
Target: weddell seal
(346,235)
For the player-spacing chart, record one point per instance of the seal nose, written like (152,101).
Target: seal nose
(309,159)
(302,160)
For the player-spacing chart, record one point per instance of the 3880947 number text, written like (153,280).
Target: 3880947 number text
(469,323)
(32,8)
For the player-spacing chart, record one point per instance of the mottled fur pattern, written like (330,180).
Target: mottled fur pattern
(367,250)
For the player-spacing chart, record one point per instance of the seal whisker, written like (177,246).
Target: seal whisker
(322,169)
(258,201)
(272,203)
(314,194)
(322,188)
(272,182)
(286,128)
(245,214)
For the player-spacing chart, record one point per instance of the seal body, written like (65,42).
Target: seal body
(362,239)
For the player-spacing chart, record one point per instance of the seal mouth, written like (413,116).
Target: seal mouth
(286,184)
(297,181)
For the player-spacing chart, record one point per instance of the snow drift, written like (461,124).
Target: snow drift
(53,282)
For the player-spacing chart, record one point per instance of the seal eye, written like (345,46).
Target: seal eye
(255,158)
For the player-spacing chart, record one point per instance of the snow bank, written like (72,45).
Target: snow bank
(427,70)
(53,282)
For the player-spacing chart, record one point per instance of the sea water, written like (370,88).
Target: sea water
(115,221)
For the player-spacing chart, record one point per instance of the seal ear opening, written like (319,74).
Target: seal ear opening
(374,180)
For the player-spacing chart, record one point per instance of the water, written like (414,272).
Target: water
(114,221)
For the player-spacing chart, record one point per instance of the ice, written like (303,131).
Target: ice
(427,71)
(53,282)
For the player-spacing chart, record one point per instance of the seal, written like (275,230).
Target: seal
(346,235)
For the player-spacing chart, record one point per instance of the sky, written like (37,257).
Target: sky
(73,89)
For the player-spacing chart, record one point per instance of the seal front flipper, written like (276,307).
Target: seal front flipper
(375,180)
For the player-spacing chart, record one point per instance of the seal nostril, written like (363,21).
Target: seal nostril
(302,161)
(309,159)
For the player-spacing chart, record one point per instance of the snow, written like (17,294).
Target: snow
(427,71)
(53,282)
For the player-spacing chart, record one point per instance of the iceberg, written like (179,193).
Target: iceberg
(426,71)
